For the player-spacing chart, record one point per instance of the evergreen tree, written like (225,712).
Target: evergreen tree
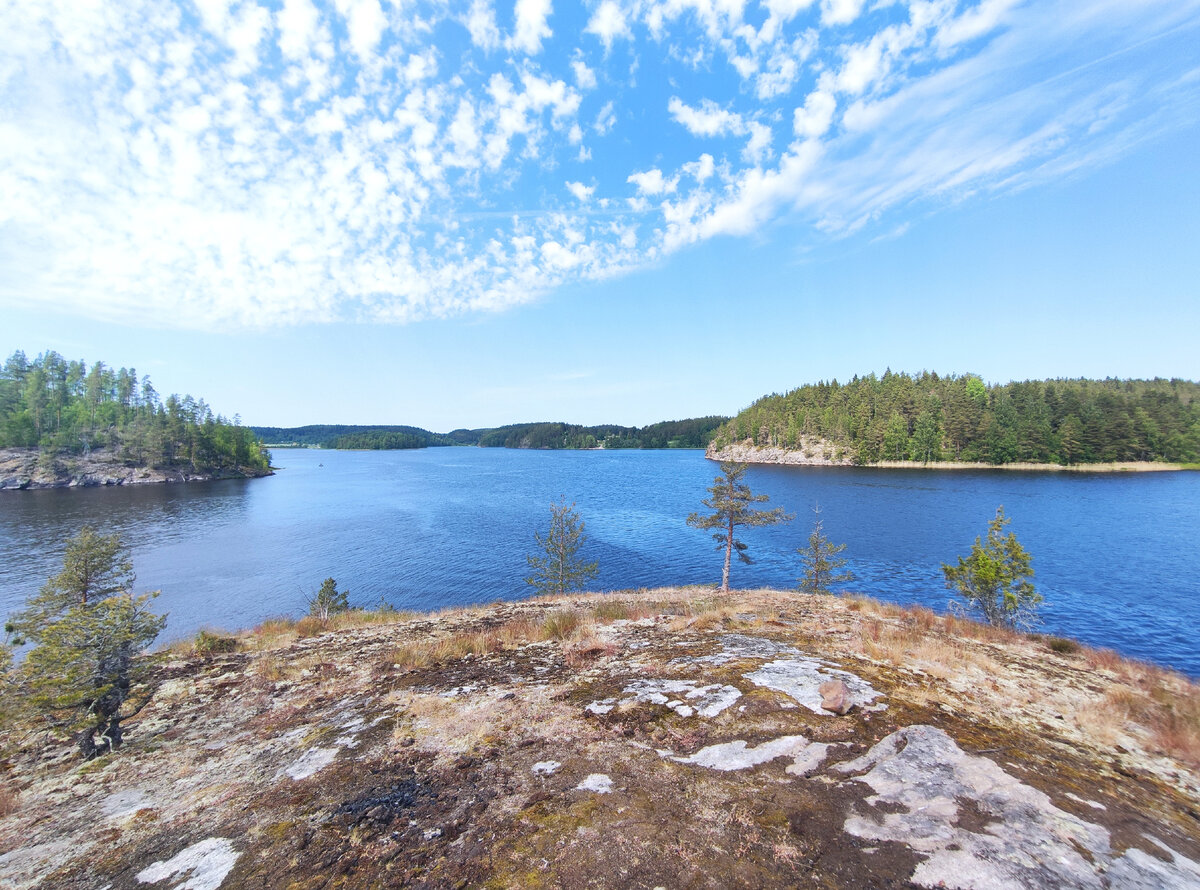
(730,499)
(559,568)
(328,600)
(994,578)
(821,561)
(88,629)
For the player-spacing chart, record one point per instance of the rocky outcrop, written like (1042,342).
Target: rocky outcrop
(670,741)
(811,452)
(31,468)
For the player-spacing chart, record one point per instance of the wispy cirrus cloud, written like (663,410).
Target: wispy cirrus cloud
(243,163)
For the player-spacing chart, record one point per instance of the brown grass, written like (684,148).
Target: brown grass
(10,800)
(560,624)
(585,650)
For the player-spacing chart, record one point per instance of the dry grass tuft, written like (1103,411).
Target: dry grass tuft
(560,624)
(310,626)
(611,610)
(585,650)
(1103,659)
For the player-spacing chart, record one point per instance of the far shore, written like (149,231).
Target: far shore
(783,457)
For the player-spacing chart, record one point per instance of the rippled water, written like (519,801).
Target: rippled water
(1116,556)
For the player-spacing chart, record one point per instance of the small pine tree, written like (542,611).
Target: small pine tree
(328,600)
(88,630)
(560,570)
(821,561)
(730,499)
(994,578)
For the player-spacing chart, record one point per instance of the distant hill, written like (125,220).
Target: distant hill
(930,418)
(351,437)
(690,433)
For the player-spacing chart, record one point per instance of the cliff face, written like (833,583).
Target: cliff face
(26,468)
(665,738)
(811,453)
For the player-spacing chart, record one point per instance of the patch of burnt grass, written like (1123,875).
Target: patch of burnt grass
(382,805)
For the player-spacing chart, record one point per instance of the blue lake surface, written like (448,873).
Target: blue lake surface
(1116,555)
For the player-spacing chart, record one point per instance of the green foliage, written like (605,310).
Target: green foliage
(994,578)
(821,562)
(730,499)
(95,567)
(929,418)
(88,630)
(207,644)
(558,569)
(63,407)
(328,600)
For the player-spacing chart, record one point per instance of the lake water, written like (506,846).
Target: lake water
(1115,556)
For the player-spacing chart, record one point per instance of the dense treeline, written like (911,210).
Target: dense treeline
(63,406)
(931,418)
(691,433)
(351,437)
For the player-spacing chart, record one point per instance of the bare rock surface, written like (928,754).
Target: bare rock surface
(1018,837)
(28,469)
(673,741)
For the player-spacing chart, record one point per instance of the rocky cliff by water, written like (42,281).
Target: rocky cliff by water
(669,738)
(31,468)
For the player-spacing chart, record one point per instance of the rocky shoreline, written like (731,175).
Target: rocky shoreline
(27,469)
(818,453)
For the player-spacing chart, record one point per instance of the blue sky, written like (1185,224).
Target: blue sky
(468,214)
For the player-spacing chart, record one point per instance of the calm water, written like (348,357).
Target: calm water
(1116,556)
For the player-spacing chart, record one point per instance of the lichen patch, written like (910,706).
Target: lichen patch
(205,866)
(801,679)
(737,755)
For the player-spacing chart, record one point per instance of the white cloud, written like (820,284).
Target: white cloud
(606,119)
(530,28)
(816,116)
(608,23)
(707,120)
(481,24)
(581,192)
(758,149)
(840,12)
(652,182)
(364,24)
(585,77)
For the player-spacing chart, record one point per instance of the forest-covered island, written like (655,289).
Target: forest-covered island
(63,422)
(927,418)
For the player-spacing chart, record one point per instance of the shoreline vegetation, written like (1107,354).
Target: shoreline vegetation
(931,419)
(747,453)
(493,745)
(67,424)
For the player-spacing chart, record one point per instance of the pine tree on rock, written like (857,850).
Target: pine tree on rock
(88,629)
(559,568)
(821,561)
(730,499)
(994,578)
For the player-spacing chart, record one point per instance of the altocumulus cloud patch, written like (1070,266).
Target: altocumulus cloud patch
(235,163)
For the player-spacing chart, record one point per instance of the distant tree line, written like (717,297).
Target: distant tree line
(351,437)
(928,417)
(692,433)
(63,406)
